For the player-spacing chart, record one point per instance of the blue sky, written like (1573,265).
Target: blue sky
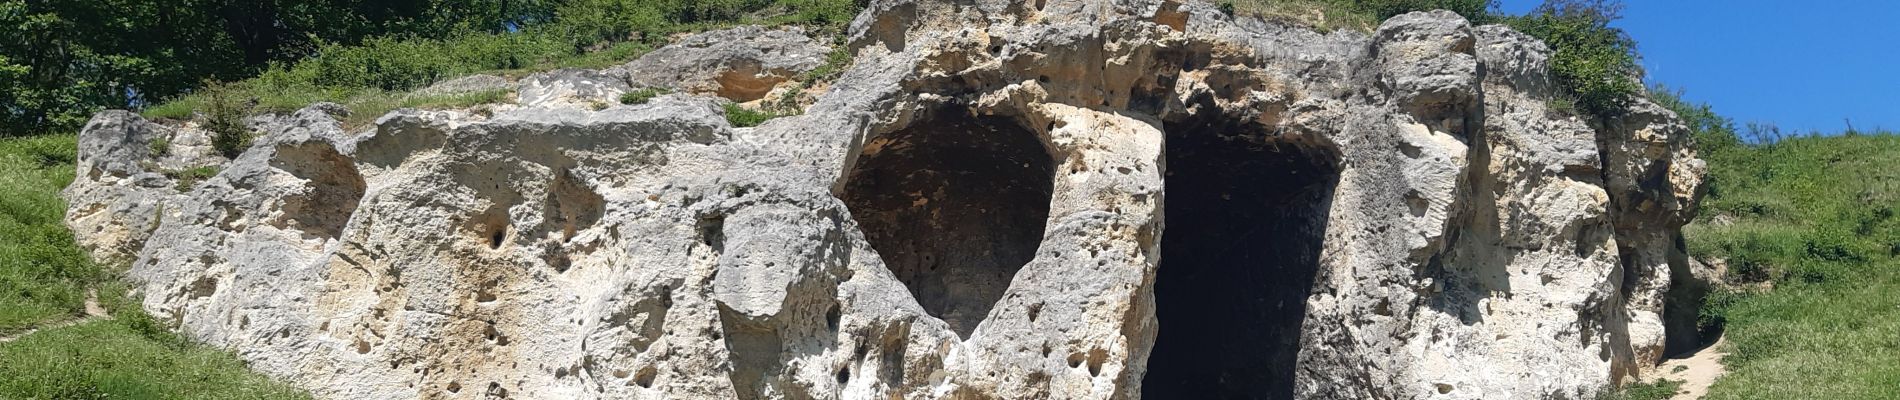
(1802,65)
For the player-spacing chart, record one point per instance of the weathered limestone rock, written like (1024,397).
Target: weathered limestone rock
(466,85)
(580,88)
(124,166)
(999,199)
(741,64)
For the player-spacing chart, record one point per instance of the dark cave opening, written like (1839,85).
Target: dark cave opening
(1245,215)
(955,205)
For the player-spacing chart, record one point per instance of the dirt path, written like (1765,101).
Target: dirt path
(93,312)
(1697,371)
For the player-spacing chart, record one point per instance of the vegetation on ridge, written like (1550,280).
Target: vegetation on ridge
(65,59)
(1594,62)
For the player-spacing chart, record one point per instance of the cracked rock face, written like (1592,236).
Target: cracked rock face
(998,199)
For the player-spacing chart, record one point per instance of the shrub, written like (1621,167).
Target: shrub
(1225,6)
(224,118)
(1592,60)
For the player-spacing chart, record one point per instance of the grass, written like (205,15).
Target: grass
(1323,15)
(190,177)
(1658,390)
(161,146)
(641,96)
(1815,218)
(1354,15)
(835,63)
(43,274)
(110,359)
(366,109)
(43,280)
(742,117)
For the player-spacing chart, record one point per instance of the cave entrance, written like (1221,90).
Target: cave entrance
(955,205)
(1245,214)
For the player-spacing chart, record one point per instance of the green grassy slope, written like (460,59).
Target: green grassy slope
(42,274)
(1813,218)
(43,282)
(113,359)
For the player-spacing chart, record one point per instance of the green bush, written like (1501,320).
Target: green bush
(60,61)
(224,118)
(1593,61)
(160,147)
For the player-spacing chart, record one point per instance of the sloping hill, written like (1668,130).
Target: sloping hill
(1807,229)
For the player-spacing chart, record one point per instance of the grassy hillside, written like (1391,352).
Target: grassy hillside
(1809,231)
(44,279)
(42,274)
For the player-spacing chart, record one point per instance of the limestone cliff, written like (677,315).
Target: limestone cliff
(998,199)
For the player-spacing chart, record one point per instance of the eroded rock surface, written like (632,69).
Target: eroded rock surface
(742,64)
(999,199)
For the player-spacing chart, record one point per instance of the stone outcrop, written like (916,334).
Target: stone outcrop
(742,64)
(998,199)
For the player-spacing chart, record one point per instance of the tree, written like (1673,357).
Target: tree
(62,60)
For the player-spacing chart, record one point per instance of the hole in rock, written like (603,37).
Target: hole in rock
(1245,214)
(955,205)
(645,378)
(497,237)
(572,206)
(333,187)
